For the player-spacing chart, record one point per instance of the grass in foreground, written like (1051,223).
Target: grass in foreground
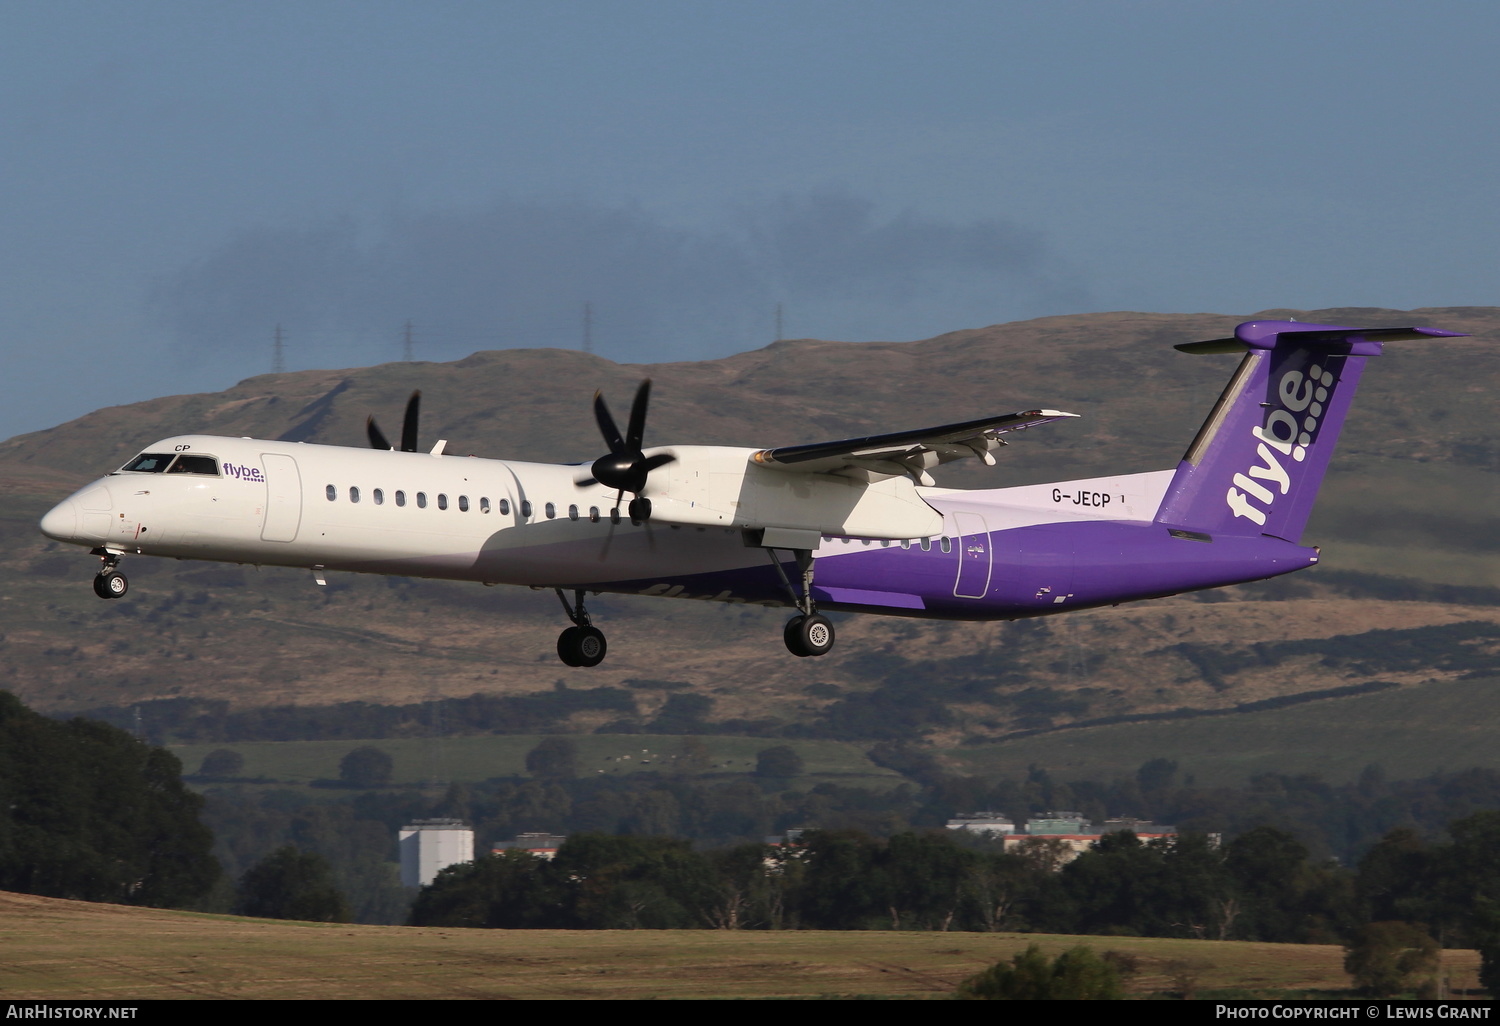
(69,949)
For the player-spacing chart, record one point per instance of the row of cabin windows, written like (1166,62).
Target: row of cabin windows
(377,495)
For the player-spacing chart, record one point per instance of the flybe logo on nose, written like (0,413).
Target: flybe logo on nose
(243,473)
(1287,431)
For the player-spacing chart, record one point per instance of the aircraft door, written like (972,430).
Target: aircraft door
(974,557)
(283,498)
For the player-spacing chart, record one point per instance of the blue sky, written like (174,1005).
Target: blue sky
(178,178)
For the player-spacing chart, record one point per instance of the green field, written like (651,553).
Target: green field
(70,949)
(421,761)
(1411,732)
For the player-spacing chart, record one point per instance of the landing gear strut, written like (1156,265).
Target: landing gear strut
(109,583)
(807,633)
(581,644)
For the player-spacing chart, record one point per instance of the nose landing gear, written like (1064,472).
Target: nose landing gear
(109,583)
(582,644)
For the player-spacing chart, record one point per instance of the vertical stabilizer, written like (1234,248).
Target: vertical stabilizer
(1257,462)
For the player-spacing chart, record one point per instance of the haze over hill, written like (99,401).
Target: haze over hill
(1411,497)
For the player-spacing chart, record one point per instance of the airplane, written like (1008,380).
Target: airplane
(853,525)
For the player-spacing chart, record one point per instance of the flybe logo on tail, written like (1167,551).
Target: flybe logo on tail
(1289,428)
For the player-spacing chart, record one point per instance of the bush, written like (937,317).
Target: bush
(1389,958)
(221,762)
(778,763)
(291,884)
(366,767)
(1076,975)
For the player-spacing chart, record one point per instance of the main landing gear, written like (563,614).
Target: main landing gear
(807,633)
(581,644)
(109,583)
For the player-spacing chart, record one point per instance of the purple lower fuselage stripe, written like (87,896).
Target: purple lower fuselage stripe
(1031,571)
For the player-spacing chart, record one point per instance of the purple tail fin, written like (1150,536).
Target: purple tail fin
(1258,460)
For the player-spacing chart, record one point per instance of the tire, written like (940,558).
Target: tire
(589,646)
(792,635)
(815,634)
(111,585)
(567,646)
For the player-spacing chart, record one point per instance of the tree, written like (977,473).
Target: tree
(778,763)
(222,762)
(291,884)
(1075,975)
(89,812)
(512,890)
(555,758)
(366,767)
(1388,958)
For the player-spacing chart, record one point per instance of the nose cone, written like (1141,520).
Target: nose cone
(61,522)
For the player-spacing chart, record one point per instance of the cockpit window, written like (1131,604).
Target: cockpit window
(149,462)
(195,465)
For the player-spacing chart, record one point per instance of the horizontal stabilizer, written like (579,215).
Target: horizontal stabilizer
(1253,335)
(910,453)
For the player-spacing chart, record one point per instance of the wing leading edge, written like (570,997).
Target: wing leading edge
(906,453)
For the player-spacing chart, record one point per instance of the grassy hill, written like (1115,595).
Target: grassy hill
(80,951)
(1406,525)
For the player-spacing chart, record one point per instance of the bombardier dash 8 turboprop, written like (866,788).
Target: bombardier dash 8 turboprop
(855,525)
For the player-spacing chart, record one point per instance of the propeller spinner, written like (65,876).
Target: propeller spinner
(408,427)
(625,467)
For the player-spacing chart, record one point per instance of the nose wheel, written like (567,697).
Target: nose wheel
(582,644)
(109,583)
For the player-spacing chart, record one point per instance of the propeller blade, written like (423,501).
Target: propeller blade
(661,459)
(377,437)
(637,429)
(409,422)
(607,425)
(584,482)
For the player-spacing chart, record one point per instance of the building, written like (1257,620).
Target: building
(542,845)
(429,846)
(982,823)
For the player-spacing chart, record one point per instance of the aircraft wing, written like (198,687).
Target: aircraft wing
(908,453)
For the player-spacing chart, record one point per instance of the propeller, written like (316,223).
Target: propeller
(408,427)
(625,467)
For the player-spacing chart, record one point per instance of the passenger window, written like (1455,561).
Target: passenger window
(572,512)
(400,497)
(947,544)
(149,463)
(614,515)
(905,544)
(331,492)
(378,496)
(442,500)
(463,504)
(421,500)
(526,508)
(484,504)
(926,544)
(551,511)
(353,494)
(593,514)
(505,507)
